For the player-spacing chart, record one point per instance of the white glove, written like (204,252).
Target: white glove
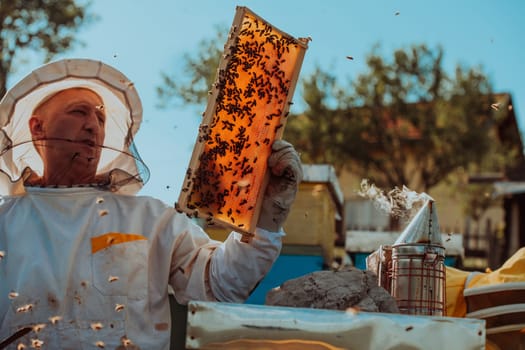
(285,175)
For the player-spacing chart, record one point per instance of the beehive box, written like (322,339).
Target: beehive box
(246,112)
(312,219)
(311,223)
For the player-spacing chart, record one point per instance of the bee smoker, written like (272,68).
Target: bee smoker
(417,274)
(412,269)
(418,278)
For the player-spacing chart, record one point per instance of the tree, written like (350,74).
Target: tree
(402,122)
(44,26)
(405,122)
(321,130)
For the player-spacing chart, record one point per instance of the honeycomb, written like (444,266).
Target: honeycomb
(246,111)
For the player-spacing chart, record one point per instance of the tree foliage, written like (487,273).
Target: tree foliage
(46,27)
(320,130)
(404,121)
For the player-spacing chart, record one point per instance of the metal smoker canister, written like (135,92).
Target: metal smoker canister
(418,278)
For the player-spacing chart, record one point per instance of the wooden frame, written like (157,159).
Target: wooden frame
(246,112)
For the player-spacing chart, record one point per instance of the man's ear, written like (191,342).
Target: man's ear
(36,126)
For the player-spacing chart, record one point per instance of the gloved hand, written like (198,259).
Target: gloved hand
(285,175)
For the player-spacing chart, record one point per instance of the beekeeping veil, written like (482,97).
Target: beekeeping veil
(119,164)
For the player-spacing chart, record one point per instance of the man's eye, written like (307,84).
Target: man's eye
(79,111)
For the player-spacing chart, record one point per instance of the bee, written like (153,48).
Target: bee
(112,279)
(21,346)
(96,326)
(54,319)
(125,341)
(119,307)
(100,344)
(2,254)
(353,310)
(100,200)
(351,58)
(13,295)
(36,343)
(103,212)
(38,327)
(178,208)
(495,106)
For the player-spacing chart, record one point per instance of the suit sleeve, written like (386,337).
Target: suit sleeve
(209,270)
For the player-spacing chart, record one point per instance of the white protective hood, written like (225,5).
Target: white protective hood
(119,158)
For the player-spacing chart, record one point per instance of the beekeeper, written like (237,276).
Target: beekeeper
(83,261)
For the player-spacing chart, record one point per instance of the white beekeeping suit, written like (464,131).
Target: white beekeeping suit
(89,266)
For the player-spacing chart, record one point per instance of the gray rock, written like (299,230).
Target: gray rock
(334,290)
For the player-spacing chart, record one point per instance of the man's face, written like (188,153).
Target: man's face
(68,130)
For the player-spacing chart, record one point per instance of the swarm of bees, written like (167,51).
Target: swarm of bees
(247,109)
(36,343)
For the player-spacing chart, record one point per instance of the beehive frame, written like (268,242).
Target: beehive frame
(246,111)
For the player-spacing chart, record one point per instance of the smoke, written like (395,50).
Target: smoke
(401,203)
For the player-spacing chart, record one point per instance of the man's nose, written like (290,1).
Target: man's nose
(91,123)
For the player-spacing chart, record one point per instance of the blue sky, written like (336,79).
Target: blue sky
(144,38)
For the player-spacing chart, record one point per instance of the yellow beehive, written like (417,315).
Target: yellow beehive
(311,226)
(316,211)
(246,112)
